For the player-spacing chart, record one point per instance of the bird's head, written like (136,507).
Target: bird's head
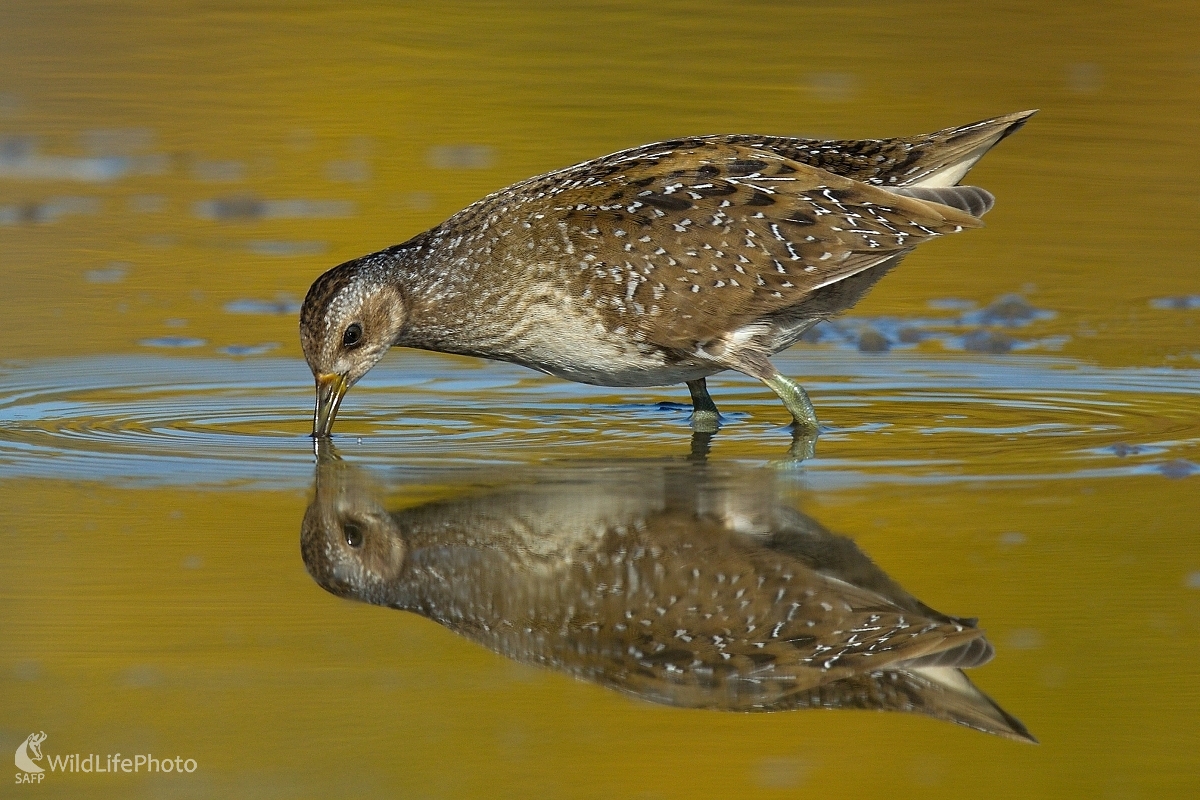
(350,317)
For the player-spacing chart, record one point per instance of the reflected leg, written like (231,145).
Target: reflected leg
(701,445)
(804,444)
(705,418)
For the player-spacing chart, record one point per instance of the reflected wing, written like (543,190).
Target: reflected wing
(945,694)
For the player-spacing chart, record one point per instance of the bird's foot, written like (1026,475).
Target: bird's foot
(705,417)
(705,420)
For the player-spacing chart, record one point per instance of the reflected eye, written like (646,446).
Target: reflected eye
(353,336)
(353,533)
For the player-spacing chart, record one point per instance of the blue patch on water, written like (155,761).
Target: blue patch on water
(951,304)
(248,349)
(272,247)
(113,273)
(1179,468)
(1178,303)
(173,341)
(283,306)
(1010,310)
(985,330)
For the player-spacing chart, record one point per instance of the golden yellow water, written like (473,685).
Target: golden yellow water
(165,170)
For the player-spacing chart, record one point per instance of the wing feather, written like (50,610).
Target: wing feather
(697,237)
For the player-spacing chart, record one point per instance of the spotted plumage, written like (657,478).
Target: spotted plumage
(661,264)
(686,586)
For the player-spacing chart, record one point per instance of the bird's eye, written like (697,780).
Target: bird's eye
(353,336)
(354,534)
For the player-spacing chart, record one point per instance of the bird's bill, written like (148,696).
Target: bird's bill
(331,388)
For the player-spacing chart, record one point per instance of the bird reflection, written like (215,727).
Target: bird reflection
(688,584)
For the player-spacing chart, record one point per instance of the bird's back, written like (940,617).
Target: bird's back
(672,260)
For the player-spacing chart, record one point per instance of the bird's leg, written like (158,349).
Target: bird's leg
(804,417)
(705,418)
(795,400)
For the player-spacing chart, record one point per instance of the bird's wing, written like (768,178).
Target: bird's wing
(697,237)
(938,159)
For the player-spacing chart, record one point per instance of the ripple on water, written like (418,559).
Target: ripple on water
(904,418)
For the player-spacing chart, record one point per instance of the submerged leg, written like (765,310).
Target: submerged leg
(705,418)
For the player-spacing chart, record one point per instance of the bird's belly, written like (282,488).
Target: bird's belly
(615,366)
(604,358)
(613,374)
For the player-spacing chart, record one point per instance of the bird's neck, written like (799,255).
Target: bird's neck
(451,306)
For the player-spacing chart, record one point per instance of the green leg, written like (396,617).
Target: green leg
(795,399)
(804,418)
(705,418)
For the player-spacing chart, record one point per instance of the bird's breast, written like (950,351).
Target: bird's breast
(546,325)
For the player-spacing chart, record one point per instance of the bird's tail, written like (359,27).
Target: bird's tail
(941,159)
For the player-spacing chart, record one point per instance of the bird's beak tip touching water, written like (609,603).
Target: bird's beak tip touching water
(331,388)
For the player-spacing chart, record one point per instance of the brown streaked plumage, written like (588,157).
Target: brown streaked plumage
(684,584)
(661,264)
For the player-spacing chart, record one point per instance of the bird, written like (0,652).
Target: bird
(690,585)
(661,264)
